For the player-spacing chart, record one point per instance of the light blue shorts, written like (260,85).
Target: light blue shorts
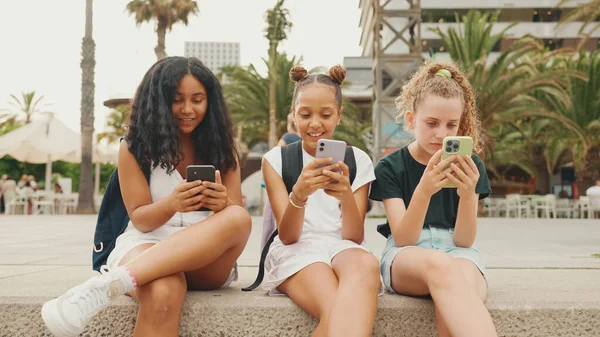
(432,237)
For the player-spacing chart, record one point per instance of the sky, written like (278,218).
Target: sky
(40,45)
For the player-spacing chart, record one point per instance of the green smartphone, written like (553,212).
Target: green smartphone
(456,145)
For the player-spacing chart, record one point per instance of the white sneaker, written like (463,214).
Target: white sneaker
(68,315)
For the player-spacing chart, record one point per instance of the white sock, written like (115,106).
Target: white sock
(127,277)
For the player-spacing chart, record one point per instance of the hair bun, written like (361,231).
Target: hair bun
(337,74)
(298,73)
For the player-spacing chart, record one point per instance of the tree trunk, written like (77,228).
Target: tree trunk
(587,175)
(88,62)
(542,176)
(272,106)
(161,31)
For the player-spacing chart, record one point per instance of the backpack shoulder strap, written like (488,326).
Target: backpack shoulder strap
(291,164)
(350,160)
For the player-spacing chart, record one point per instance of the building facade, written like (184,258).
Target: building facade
(389,29)
(214,54)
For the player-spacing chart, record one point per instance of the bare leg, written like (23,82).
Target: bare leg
(418,271)
(353,311)
(194,247)
(474,277)
(313,289)
(441,325)
(160,302)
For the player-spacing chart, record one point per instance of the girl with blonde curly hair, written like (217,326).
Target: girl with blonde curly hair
(430,229)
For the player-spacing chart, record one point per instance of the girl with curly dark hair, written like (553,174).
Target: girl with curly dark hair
(179,118)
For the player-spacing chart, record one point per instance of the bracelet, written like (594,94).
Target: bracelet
(294,204)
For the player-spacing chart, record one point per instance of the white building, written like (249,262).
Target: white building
(214,54)
(536,17)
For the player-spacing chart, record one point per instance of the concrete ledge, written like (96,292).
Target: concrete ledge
(523,302)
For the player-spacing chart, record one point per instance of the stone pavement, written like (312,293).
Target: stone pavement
(544,281)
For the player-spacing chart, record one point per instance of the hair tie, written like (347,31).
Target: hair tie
(444,73)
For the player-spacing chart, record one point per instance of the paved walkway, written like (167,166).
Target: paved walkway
(44,241)
(544,281)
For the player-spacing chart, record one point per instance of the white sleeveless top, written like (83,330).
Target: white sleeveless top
(161,186)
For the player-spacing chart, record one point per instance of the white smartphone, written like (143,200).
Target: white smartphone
(457,145)
(335,149)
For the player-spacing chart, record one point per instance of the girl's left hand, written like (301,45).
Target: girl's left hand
(216,194)
(468,174)
(338,190)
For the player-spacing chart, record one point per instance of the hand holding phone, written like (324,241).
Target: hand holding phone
(201,173)
(464,170)
(335,149)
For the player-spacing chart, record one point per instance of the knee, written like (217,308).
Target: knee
(163,298)
(240,221)
(365,272)
(440,269)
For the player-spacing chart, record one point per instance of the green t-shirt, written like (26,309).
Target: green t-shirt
(397,176)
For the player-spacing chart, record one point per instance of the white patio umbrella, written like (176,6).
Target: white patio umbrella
(47,140)
(102,153)
(41,141)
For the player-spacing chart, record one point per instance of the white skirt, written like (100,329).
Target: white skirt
(283,261)
(132,238)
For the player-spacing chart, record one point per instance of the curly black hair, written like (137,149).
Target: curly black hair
(153,133)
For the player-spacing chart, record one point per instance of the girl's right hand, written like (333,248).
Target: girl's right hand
(187,197)
(312,178)
(434,177)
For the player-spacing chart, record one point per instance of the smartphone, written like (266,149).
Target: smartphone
(335,149)
(456,145)
(201,172)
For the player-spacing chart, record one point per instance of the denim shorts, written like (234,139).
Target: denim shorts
(432,237)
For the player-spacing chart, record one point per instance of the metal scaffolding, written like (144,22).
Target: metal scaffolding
(391,35)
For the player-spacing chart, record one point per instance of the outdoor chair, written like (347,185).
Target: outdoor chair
(514,203)
(16,202)
(43,202)
(546,206)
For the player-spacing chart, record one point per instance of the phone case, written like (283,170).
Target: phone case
(335,149)
(201,172)
(456,145)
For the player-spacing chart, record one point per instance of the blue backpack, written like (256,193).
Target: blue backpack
(112,220)
(292,165)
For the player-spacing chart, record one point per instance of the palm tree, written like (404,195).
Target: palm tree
(582,117)
(27,104)
(246,93)
(278,26)
(586,12)
(8,123)
(166,13)
(536,146)
(504,87)
(88,62)
(116,124)
(476,40)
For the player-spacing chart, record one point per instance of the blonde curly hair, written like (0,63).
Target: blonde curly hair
(431,79)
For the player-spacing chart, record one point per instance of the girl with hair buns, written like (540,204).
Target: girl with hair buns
(430,229)
(318,259)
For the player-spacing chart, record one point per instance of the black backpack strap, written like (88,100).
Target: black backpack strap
(350,161)
(291,164)
(261,264)
(291,168)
